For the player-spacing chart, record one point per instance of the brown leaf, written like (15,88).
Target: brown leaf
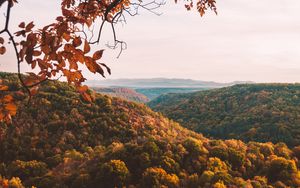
(107,68)
(1,40)
(36,53)
(77,41)
(2,50)
(22,25)
(33,64)
(29,27)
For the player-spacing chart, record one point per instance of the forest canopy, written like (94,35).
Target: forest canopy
(115,143)
(250,112)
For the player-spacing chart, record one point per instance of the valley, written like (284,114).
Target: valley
(61,140)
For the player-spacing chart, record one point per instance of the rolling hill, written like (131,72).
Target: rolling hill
(59,140)
(250,112)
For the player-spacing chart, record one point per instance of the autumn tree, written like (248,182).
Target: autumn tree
(113,174)
(57,49)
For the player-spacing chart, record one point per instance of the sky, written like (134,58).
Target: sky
(249,40)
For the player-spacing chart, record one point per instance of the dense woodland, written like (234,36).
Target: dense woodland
(124,93)
(58,140)
(251,112)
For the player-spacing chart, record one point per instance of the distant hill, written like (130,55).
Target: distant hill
(158,83)
(125,93)
(152,93)
(257,112)
(155,87)
(59,140)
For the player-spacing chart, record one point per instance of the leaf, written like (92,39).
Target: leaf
(22,32)
(87,47)
(67,37)
(36,53)
(107,68)
(34,90)
(86,97)
(7,98)
(22,25)
(1,40)
(93,66)
(67,13)
(82,89)
(3,88)
(77,41)
(60,18)
(29,27)
(46,49)
(11,107)
(33,64)
(2,50)
(98,54)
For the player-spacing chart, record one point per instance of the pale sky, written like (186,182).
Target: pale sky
(253,40)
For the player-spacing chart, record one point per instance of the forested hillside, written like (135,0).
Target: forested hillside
(58,140)
(257,112)
(124,93)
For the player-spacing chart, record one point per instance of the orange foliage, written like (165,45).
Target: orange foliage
(59,48)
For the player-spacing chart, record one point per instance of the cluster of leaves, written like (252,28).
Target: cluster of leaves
(60,47)
(13,182)
(201,5)
(7,106)
(124,93)
(62,141)
(257,112)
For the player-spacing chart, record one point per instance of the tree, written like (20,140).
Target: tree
(158,177)
(113,174)
(57,49)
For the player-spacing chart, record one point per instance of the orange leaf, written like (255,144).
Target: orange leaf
(1,40)
(87,47)
(77,42)
(67,37)
(7,98)
(11,107)
(3,88)
(82,89)
(98,54)
(86,97)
